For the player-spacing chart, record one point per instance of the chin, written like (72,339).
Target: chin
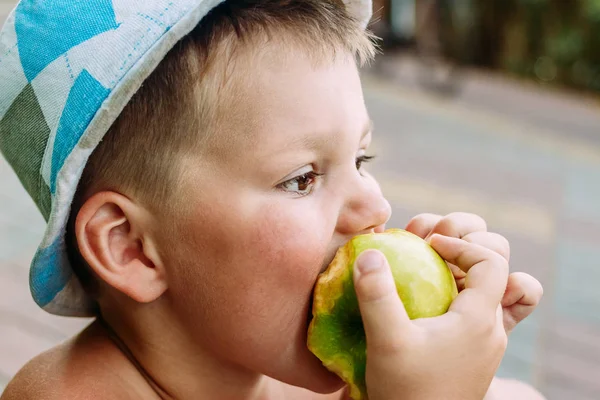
(319,379)
(309,372)
(303,368)
(332,385)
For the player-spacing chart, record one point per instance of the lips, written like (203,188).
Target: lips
(330,258)
(378,229)
(326,264)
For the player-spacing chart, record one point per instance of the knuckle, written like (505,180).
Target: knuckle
(491,241)
(533,287)
(459,224)
(465,216)
(445,228)
(503,244)
(423,219)
(498,260)
(426,217)
(477,220)
(446,225)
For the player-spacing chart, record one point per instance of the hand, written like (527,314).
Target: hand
(453,356)
(523,292)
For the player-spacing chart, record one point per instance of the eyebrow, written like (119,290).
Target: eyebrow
(313,142)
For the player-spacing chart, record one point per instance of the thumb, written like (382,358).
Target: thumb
(383,314)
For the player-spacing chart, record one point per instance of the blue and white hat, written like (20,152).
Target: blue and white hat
(67,70)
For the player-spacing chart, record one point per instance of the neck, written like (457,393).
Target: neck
(177,369)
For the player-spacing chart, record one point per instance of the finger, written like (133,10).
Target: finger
(487,271)
(422,224)
(459,224)
(522,296)
(459,274)
(383,314)
(522,288)
(490,240)
(379,229)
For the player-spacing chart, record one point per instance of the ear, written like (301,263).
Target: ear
(112,239)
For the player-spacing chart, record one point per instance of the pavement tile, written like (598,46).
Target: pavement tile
(576,283)
(520,358)
(526,102)
(496,180)
(514,367)
(580,339)
(561,390)
(582,192)
(577,374)
(584,230)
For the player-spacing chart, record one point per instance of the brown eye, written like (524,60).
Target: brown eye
(302,184)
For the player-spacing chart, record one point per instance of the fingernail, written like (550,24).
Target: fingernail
(369,261)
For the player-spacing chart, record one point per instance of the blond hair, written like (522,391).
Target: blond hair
(180,104)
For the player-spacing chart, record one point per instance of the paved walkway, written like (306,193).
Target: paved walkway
(526,159)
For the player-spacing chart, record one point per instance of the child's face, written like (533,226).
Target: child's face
(259,226)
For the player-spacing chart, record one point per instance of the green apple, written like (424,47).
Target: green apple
(336,334)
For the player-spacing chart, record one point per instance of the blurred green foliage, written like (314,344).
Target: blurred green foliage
(554,41)
(592,10)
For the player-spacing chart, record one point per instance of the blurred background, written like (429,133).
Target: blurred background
(484,106)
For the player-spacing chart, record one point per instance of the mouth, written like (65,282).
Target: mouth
(326,264)
(329,259)
(309,314)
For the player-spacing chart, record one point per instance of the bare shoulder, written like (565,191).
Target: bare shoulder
(89,366)
(504,389)
(34,380)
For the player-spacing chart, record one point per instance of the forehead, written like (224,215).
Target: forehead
(285,100)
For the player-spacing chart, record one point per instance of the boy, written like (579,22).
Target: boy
(193,218)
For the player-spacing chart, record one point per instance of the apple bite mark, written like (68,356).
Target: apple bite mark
(336,321)
(336,335)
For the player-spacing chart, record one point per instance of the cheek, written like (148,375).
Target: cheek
(241,289)
(253,272)
(290,250)
(278,267)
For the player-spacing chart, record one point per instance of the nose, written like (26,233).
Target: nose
(364,210)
